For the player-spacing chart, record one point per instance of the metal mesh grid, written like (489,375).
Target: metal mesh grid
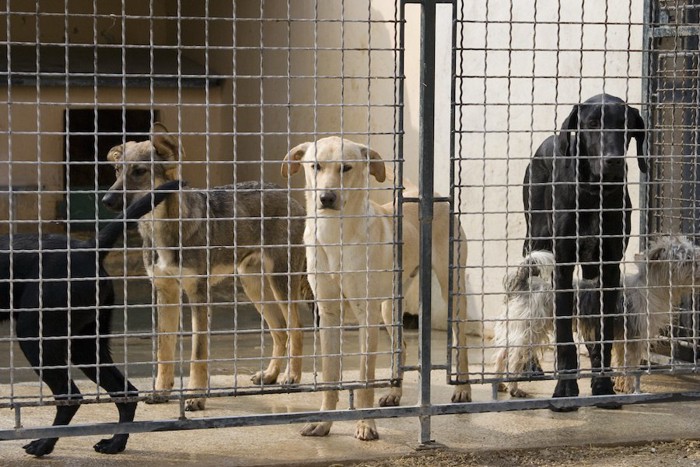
(237,85)
(520,69)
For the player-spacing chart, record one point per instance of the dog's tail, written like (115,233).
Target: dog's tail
(539,263)
(108,235)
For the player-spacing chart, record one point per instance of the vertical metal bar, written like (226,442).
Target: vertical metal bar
(426,144)
(399,75)
(646,112)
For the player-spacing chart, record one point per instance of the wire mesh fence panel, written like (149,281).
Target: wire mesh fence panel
(672,97)
(574,130)
(102,104)
(278,159)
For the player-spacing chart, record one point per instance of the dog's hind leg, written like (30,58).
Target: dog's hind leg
(103,372)
(169,303)
(393,397)
(462,391)
(48,359)
(627,355)
(288,303)
(258,290)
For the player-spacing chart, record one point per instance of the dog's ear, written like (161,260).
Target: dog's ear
(116,154)
(376,164)
(636,124)
(291,164)
(165,144)
(564,139)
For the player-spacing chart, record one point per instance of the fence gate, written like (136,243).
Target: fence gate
(440,104)
(671,94)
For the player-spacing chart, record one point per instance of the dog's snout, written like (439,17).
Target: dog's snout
(328,199)
(113,201)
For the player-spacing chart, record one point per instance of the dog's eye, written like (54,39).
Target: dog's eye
(139,171)
(317,167)
(594,124)
(346,168)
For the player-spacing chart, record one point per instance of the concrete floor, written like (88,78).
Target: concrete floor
(240,355)
(282,444)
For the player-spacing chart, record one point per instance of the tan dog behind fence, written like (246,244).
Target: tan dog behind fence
(195,239)
(350,259)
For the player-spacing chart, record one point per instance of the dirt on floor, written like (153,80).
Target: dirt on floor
(676,453)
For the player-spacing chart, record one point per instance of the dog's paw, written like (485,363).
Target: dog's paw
(602,386)
(565,388)
(502,387)
(289,379)
(263,378)
(624,384)
(40,447)
(533,369)
(462,393)
(316,429)
(194,405)
(113,445)
(366,430)
(519,393)
(157,398)
(391,399)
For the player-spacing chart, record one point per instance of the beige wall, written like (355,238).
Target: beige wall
(507,119)
(311,87)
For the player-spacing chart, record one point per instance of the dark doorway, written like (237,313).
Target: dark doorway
(90,134)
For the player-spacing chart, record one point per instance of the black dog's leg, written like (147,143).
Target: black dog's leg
(566,361)
(54,354)
(601,355)
(112,380)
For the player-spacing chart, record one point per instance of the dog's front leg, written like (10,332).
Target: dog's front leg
(567,364)
(600,362)
(329,312)
(168,301)
(199,370)
(366,429)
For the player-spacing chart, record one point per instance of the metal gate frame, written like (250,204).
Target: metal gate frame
(425,409)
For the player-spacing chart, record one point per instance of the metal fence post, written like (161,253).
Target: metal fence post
(426,134)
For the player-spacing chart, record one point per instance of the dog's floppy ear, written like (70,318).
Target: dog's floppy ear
(116,154)
(636,123)
(376,164)
(165,144)
(564,139)
(291,164)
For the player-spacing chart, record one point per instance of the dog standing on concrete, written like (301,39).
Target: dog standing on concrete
(667,271)
(577,206)
(350,259)
(194,240)
(60,298)
(524,328)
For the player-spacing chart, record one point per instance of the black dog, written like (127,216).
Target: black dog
(577,206)
(42,311)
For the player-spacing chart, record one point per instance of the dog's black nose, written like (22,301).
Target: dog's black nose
(327,199)
(113,201)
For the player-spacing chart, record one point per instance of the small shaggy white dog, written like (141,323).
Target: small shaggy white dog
(667,271)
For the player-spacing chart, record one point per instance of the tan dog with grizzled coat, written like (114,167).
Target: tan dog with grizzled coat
(350,259)
(199,237)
